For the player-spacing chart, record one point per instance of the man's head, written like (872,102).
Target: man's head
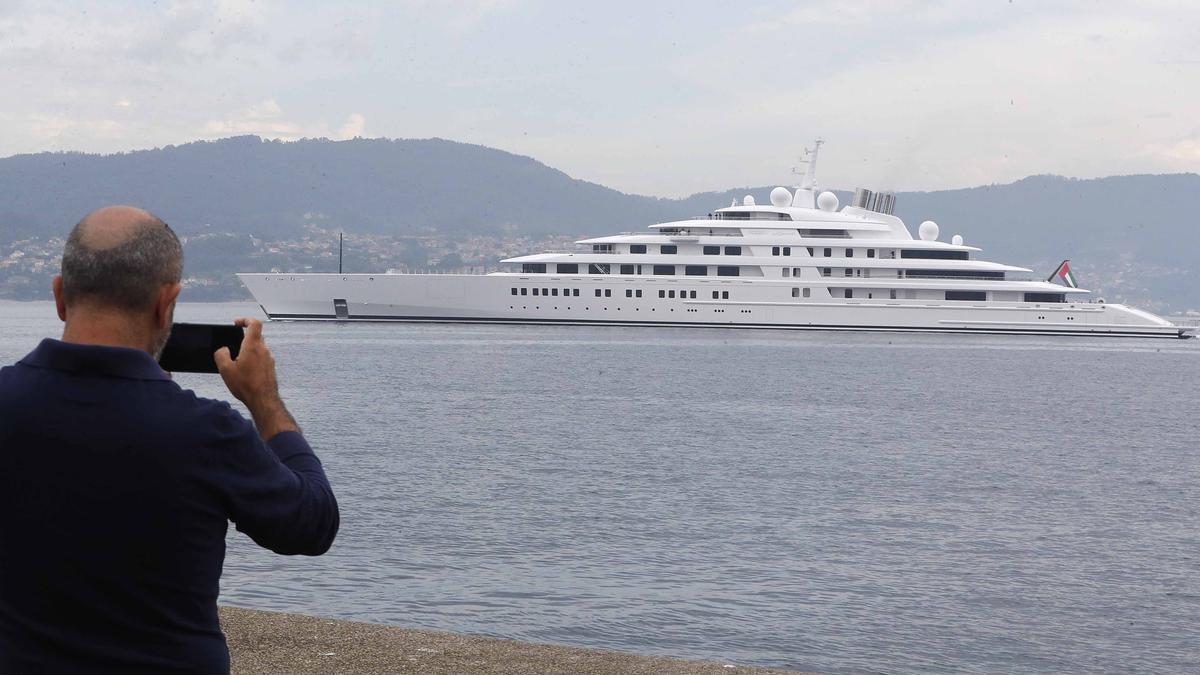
(122,263)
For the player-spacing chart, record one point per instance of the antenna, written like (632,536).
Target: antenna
(339,252)
(809,160)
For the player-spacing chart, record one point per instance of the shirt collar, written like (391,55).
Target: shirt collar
(126,362)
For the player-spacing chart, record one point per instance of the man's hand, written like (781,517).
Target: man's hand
(251,379)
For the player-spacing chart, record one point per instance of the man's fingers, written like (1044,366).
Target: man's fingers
(223,359)
(253,328)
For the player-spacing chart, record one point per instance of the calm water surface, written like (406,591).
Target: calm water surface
(831,502)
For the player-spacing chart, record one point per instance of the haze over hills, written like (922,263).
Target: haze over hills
(1129,237)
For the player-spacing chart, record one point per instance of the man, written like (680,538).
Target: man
(117,486)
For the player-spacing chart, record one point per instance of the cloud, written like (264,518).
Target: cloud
(1184,153)
(353,127)
(266,118)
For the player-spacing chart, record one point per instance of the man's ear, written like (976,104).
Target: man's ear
(167,293)
(58,297)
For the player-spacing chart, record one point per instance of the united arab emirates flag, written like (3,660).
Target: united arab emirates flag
(1065,275)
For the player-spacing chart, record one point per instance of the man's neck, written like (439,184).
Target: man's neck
(107,328)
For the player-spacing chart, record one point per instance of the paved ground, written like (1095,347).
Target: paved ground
(270,642)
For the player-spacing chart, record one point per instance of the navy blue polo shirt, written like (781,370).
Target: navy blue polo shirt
(116,490)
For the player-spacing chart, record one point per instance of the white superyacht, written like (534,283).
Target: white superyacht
(799,263)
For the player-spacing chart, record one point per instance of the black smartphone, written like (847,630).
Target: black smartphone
(191,345)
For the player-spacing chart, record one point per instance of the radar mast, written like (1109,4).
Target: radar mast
(806,191)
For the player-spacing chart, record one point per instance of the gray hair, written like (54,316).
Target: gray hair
(125,276)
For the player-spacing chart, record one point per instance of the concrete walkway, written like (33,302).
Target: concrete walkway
(271,642)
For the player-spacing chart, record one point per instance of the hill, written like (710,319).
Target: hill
(1131,237)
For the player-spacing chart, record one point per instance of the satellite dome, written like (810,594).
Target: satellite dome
(781,197)
(928,231)
(748,200)
(827,201)
(957,240)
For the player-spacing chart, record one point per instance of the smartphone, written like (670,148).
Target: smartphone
(191,345)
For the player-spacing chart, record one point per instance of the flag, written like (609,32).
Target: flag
(1065,275)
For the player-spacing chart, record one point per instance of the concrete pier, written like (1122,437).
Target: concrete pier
(272,642)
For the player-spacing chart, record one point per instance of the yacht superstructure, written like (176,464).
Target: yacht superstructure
(797,263)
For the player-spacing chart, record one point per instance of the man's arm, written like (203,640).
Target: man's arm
(251,379)
(279,494)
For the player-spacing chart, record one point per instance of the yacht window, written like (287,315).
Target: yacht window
(553,291)
(626,269)
(533,268)
(662,294)
(808,292)
(934,254)
(638,293)
(637,248)
(828,253)
(728,271)
(670,294)
(514,291)
(668,249)
(602,248)
(892,294)
(795,292)
(1045,297)
(849,272)
(787,272)
(716,294)
(870,253)
(664,269)
(598,268)
(693,295)
(810,252)
(824,234)
(724,295)
(733,250)
(849,293)
(576,293)
(712,250)
(523,291)
(826,271)
(608,292)
(597,292)
(849,253)
(695,270)
(568,268)
(629,292)
(774,250)
(787,250)
(977,296)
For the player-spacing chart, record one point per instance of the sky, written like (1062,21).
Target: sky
(658,98)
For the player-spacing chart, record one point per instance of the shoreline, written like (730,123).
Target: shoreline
(276,642)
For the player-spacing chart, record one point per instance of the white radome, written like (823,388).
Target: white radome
(928,231)
(781,197)
(957,240)
(748,200)
(827,201)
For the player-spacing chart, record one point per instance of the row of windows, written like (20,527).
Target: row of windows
(605,268)
(672,249)
(607,293)
(716,250)
(567,292)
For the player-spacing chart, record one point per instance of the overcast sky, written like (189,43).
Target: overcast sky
(662,98)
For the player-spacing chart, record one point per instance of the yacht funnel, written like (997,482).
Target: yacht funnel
(879,202)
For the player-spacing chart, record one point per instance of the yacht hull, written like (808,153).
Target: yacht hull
(685,301)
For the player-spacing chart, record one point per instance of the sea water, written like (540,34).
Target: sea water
(838,502)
